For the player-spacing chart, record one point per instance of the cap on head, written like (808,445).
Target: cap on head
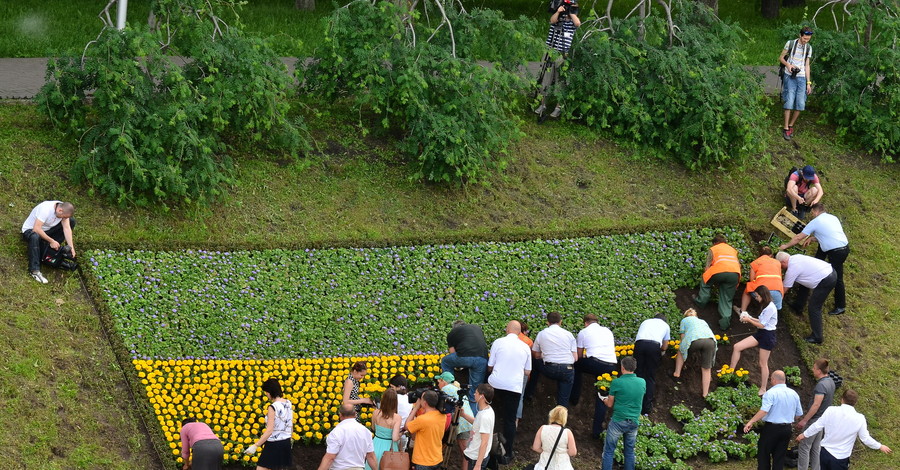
(446,377)
(808,172)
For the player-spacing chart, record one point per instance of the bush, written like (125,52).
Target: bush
(151,130)
(694,99)
(857,76)
(456,117)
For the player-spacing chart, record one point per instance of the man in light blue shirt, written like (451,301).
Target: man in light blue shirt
(833,247)
(780,407)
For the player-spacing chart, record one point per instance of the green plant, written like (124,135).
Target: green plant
(456,117)
(856,71)
(151,130)
(682,413)
(692,99)
(729,376)
(792,374)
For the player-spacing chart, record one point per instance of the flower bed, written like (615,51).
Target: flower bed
(204,329)
(226,394)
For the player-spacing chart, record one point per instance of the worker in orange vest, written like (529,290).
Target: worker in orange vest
(723,269)
(764,271)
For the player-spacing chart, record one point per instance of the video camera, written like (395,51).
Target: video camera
(571,7)
(446,403)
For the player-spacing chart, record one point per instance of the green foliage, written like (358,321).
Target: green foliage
(455,116)
(792,374)
(219,304)
(152,130)
(693,100)
(682,413)
(857,80)
(742,398)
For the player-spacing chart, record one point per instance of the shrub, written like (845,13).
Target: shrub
(456,117)
(152,130)
(856,71)
(694,100)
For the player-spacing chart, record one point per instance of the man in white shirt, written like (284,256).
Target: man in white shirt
(349,444)
(650,344)
(811,274)
(49,224)
(841,425)
(833,247)
(479,448)
(508,365)
(797,79)
(596,356)
(555,348)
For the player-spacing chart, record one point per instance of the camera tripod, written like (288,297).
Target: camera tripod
(449,440)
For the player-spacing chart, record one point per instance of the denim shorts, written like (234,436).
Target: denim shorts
(793,93)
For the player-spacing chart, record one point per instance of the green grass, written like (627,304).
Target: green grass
(47,28)
(564,179)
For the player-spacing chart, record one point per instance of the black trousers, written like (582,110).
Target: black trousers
(816,301)
(829,462)
(837,257)
(37,245)
(648,356)
(772,446)
(593,367)
(505,405)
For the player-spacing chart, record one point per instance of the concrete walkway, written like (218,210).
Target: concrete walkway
(21,79)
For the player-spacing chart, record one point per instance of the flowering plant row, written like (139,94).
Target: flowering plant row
(729,376)
(314,302)
(226,394)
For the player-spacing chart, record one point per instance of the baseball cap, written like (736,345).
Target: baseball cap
(808,172)
(446,377)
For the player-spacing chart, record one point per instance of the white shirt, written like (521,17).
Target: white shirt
(484,423)
(799,58)
(510,358)
(403,408)
(828,231)
(842,425)
(806,271)
(46,213)
(769,317)
(350,442)
(597,341)
(556,345)
(654,329)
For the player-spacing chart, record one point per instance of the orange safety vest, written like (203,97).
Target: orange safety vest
(724,260)
(768,273)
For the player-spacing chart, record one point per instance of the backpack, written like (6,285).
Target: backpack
(788,177)
(61,258)
(787,57)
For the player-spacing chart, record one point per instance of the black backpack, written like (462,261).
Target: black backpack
(61,258)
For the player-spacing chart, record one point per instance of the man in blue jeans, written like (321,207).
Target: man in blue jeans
(797,79)
(626,396)
(468,350)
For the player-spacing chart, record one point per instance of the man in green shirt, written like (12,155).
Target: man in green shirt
(626,396)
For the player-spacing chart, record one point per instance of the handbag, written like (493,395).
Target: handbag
(394,460)
(552,452)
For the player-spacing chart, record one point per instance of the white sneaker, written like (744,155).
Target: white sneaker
(39,277)
(540,110)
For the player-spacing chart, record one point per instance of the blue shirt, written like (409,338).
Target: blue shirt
(828,231)
(781,404)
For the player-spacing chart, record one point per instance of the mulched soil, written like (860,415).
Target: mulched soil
(668,392)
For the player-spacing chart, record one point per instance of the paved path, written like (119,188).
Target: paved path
(22,78)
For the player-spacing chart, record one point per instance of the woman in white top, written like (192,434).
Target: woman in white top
(545,438)
(276,452)
(764,336)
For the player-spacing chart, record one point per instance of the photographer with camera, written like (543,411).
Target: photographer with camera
(563,22)
(48,225)
(796,79)
(463,427)
(427,430)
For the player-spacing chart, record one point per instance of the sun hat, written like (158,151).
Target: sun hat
(446,377)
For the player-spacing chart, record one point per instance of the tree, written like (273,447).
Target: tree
(770,8)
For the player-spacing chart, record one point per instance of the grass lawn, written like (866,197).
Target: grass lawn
(70,405)
(47,28)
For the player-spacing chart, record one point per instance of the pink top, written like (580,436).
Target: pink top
(191,433)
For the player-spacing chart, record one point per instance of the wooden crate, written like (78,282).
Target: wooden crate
(787,223)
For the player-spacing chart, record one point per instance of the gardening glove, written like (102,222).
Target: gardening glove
(251,450)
